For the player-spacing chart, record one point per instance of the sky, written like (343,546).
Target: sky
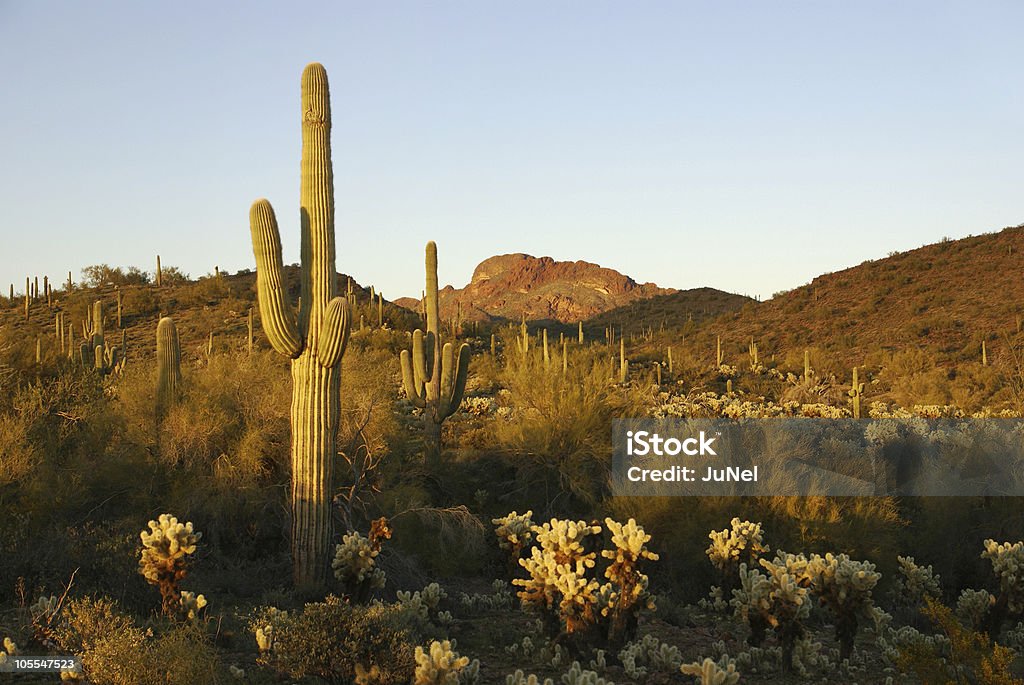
(747,146)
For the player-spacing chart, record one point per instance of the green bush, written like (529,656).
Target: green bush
(330,638)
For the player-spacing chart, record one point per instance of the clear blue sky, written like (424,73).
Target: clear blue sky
(747,146)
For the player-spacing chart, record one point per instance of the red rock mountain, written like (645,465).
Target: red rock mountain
(508,286)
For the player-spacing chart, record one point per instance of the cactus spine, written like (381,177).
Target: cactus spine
(856,390)
(434,376)
(168,364)
(315,341)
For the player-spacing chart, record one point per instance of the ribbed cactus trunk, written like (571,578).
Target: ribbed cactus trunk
(315,341)
(168,365)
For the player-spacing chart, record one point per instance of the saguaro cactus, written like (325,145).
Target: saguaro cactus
(168,364)
(314,340)
(856,391)
(94,351)
(434,376)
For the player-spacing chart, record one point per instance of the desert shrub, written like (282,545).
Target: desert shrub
(140,302)
(18,457)
(964,656)
(557,424)
(99,275)
(330,639)
(115,650)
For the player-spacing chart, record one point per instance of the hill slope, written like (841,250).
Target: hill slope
(946,298)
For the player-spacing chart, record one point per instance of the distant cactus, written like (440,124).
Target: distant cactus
(95,352)
(623,362)
(718,352)
(168,364)
(165,548)
(434,377)
(710,672)
(440,664)
(855,393)
(315,340)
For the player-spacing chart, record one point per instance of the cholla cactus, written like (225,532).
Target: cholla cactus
(442,665)
(236,672)
(778,600)
(422,607)
(263,628)
(973,607)
(355,565)
(1008,565)
(576,675)
(625,594)
(165,548)
(844,586)
(520,678)
(742,544)
(558,585)
(914,582)
(709,672)
(514,533)
(191,605)
(649,655)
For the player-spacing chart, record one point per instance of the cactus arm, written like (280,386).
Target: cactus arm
(447,377)
(413,387)
(460,373)
(276,315)
(419,361)
(334,334)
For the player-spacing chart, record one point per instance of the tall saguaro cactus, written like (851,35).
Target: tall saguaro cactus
(314,339)
(168,364)
(434,376)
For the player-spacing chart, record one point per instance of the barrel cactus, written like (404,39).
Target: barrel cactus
(314,338)
(434,376)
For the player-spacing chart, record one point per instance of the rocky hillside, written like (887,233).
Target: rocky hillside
(944,298)
(508,286)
